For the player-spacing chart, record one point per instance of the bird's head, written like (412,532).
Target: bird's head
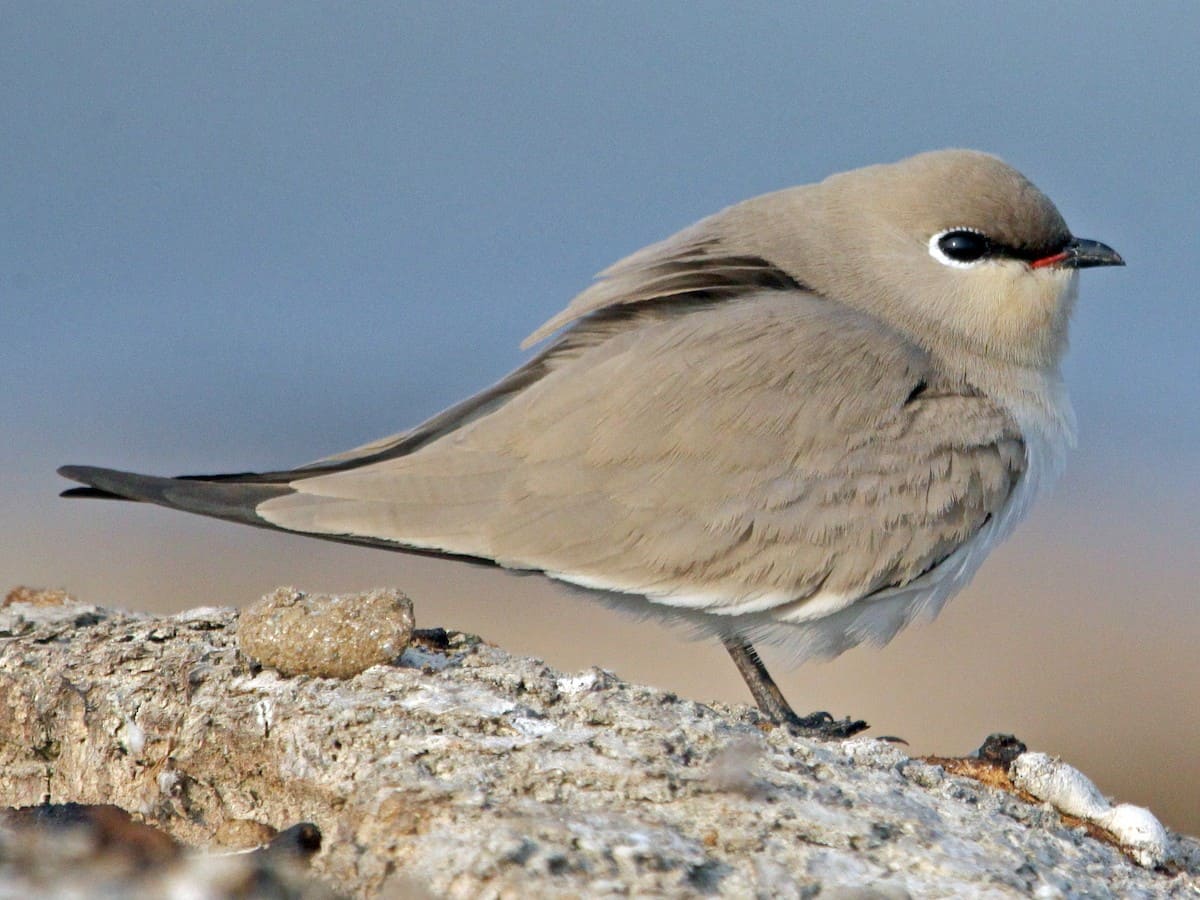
(953,247)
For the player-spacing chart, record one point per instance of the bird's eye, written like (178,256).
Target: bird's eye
(959,247)
(963,246)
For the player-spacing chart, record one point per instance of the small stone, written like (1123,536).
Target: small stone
(1001,749)
(243,834)
(877,754)
(335,636)
(32,596)
(923,773)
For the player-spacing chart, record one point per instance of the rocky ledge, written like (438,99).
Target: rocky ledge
(447,767)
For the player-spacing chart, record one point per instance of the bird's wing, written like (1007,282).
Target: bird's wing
(730,457)
(700,260)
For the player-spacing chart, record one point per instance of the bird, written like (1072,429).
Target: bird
(804,420)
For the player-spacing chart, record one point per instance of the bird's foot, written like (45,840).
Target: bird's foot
(773,705)
(822,725)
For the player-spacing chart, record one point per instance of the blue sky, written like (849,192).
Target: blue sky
(210,209)
(243,236)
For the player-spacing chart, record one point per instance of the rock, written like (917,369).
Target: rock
(462,771)
(327,637)
(70,850)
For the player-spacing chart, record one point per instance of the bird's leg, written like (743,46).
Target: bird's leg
(771,701)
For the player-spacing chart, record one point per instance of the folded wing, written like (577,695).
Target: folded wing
(725,457)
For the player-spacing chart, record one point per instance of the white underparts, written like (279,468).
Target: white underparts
(784,606)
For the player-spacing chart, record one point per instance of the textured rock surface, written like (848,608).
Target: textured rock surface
(473,773)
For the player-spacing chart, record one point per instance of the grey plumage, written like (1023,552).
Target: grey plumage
(796,420)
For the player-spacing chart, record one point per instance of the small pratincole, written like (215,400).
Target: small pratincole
(805,420)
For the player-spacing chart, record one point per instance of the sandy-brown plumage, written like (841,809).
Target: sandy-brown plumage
(797,419)
(806,467)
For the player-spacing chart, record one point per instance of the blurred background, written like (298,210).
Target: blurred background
(246,236)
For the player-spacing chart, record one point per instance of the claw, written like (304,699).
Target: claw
(823,725)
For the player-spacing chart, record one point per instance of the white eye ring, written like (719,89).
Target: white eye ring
(936,251)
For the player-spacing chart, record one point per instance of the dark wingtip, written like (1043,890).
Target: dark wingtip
(87,475)
(231,497)
(235,500)
(90,492)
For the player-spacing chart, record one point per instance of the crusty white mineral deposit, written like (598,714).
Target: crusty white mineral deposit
(1070,791)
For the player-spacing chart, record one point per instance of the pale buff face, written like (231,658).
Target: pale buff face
(1001,309)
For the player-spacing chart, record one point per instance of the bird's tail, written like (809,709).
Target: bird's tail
(234,497)
(231,497)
